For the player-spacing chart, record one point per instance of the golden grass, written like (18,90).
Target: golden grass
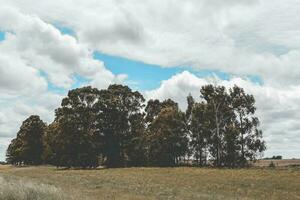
(14,189)
(166,183)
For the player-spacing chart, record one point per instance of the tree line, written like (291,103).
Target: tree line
(116,127)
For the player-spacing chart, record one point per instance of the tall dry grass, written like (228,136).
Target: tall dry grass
(13,189)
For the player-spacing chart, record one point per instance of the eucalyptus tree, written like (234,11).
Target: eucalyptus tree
(120,123)
(27,147)
(167,139)
(154,107)
(14,152)
(219,113)
(75,130)
(247,124)
(199,132)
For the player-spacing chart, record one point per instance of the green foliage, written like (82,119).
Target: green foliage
(114,127)
(121,124)
(167,138)
(223,124)
(199,132)
(72,140)
(274,158)
(27,147)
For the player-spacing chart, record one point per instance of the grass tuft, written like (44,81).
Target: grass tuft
(12,189)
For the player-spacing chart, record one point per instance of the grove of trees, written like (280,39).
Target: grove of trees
(115,127)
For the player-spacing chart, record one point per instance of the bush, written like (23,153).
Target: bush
(20,190)
(272,165)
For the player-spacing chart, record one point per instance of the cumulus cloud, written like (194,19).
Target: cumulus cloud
(14,110)
(245,37)
(34,55)
(16,78)
(43,47)
(278,109)
(241,37)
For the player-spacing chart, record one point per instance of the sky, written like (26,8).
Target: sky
(164,49)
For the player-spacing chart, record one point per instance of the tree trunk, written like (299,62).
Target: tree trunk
(242,134)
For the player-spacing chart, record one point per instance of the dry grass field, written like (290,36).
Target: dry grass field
(150,183)
(278,163)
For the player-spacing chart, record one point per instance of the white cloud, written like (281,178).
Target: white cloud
(16,109)
(245,37)
(33,53)
(258,37)
(278,109)
(17,78)
(41,46)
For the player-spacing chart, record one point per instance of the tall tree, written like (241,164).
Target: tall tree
(249,137)
(119,119)
(54,146)
(27,148)
(75,130)
(219,113)
(167,139)
(14,152)
(199,127)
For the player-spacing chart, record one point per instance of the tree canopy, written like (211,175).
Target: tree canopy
(27,147)
(116,128)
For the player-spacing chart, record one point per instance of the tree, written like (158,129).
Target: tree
(73,139)
(249,137)
(154,107)
(231,146)
(190,106)
(113,124)
(27,147)
(135,148)
(120,123)
(54,146)
(167,138)
(13,152)
(199,129)
(219,114)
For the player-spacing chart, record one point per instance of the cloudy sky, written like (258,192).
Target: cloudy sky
(165,49)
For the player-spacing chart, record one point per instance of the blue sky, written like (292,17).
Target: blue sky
(2,35)
(141,76)
(250,42)
(147,77)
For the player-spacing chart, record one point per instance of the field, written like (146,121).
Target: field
(278,163)
(149,183)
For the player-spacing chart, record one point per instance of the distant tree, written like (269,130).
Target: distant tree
(27,147)
(167,138)
(73,139)
(115,125)
(120,123)
(13,152)
(135,148)
(231,151)
(219,113)
(200,132)
(277,157)
(229,126)
(249,137)
(54,146)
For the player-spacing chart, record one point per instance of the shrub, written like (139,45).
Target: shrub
(272,165)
